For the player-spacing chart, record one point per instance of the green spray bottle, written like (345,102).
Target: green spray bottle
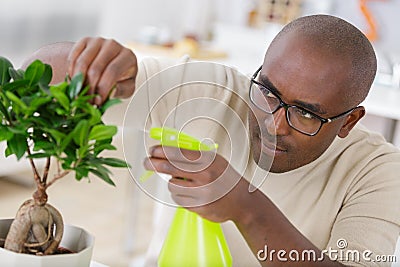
(192,241)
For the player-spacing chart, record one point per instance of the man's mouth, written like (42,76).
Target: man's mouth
(270,147)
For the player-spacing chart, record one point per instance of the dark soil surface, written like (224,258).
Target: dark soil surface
(60,250)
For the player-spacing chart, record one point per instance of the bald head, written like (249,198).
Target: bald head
(336,37)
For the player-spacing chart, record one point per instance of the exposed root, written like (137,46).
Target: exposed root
(59,227)
(36,229)
(39,232)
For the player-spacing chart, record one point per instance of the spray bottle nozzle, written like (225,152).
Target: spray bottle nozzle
(172,137)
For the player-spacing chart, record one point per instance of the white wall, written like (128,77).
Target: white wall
(124,20)
(385,13)
(27,25)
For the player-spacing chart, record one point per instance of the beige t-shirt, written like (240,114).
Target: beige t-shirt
(350,195)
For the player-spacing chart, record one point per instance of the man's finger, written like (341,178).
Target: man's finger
(108,51)
(112,75)
(125,88)
(74,54)
(164,166)
(176,154)
(85,58)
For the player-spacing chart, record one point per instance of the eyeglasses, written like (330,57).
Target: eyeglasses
(298,118)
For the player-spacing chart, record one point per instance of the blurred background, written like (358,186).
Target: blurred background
(233,32)
(27,25)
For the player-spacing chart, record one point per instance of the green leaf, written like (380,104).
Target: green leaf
(85,91)
(18,146)
(61,111)
(113,162)
(47,75)
(41,123)
(18,128)
(75,86)
(108,104)
(99,166)
(8,152)
(60,96)
(95,115)
(81,132)
(43,145)
(13,98)
(5,65)
(16,100)
(81,172)
(82,101)
(66,141)
(103,175)
(39,155)
(99,148)
(20,84)
(82,151)
(34,72)
(16,74)
(5,133)
(61,86)
(101,132)
(4,111)
(66,165)
(71,158)
(37,102)
(57,135)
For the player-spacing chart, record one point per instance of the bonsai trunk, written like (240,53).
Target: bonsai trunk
(38,227)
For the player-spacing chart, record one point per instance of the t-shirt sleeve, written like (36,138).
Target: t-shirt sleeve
(367,227)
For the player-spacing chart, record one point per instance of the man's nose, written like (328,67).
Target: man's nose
(276,124)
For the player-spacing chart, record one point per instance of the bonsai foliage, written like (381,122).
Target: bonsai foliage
(57,123)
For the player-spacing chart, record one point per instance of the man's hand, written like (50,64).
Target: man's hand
(202,181)
(109,68)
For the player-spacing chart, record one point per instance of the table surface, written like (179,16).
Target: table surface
(96,264)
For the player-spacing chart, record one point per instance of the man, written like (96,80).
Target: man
(331,186)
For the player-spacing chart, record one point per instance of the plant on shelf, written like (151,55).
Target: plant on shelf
(57,123)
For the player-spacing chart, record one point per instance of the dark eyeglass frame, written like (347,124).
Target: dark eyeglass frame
(287,106)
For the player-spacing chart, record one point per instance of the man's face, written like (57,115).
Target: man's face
(302,75)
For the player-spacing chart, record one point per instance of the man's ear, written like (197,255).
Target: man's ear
(351,121)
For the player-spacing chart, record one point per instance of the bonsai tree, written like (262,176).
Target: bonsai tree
(57,123)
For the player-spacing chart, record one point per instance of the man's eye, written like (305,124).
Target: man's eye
(304,114)
(265,91)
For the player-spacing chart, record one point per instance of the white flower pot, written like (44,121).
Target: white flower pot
(74,238)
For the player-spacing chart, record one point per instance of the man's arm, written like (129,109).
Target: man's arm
(263,224)
(106,65)
(56,55)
